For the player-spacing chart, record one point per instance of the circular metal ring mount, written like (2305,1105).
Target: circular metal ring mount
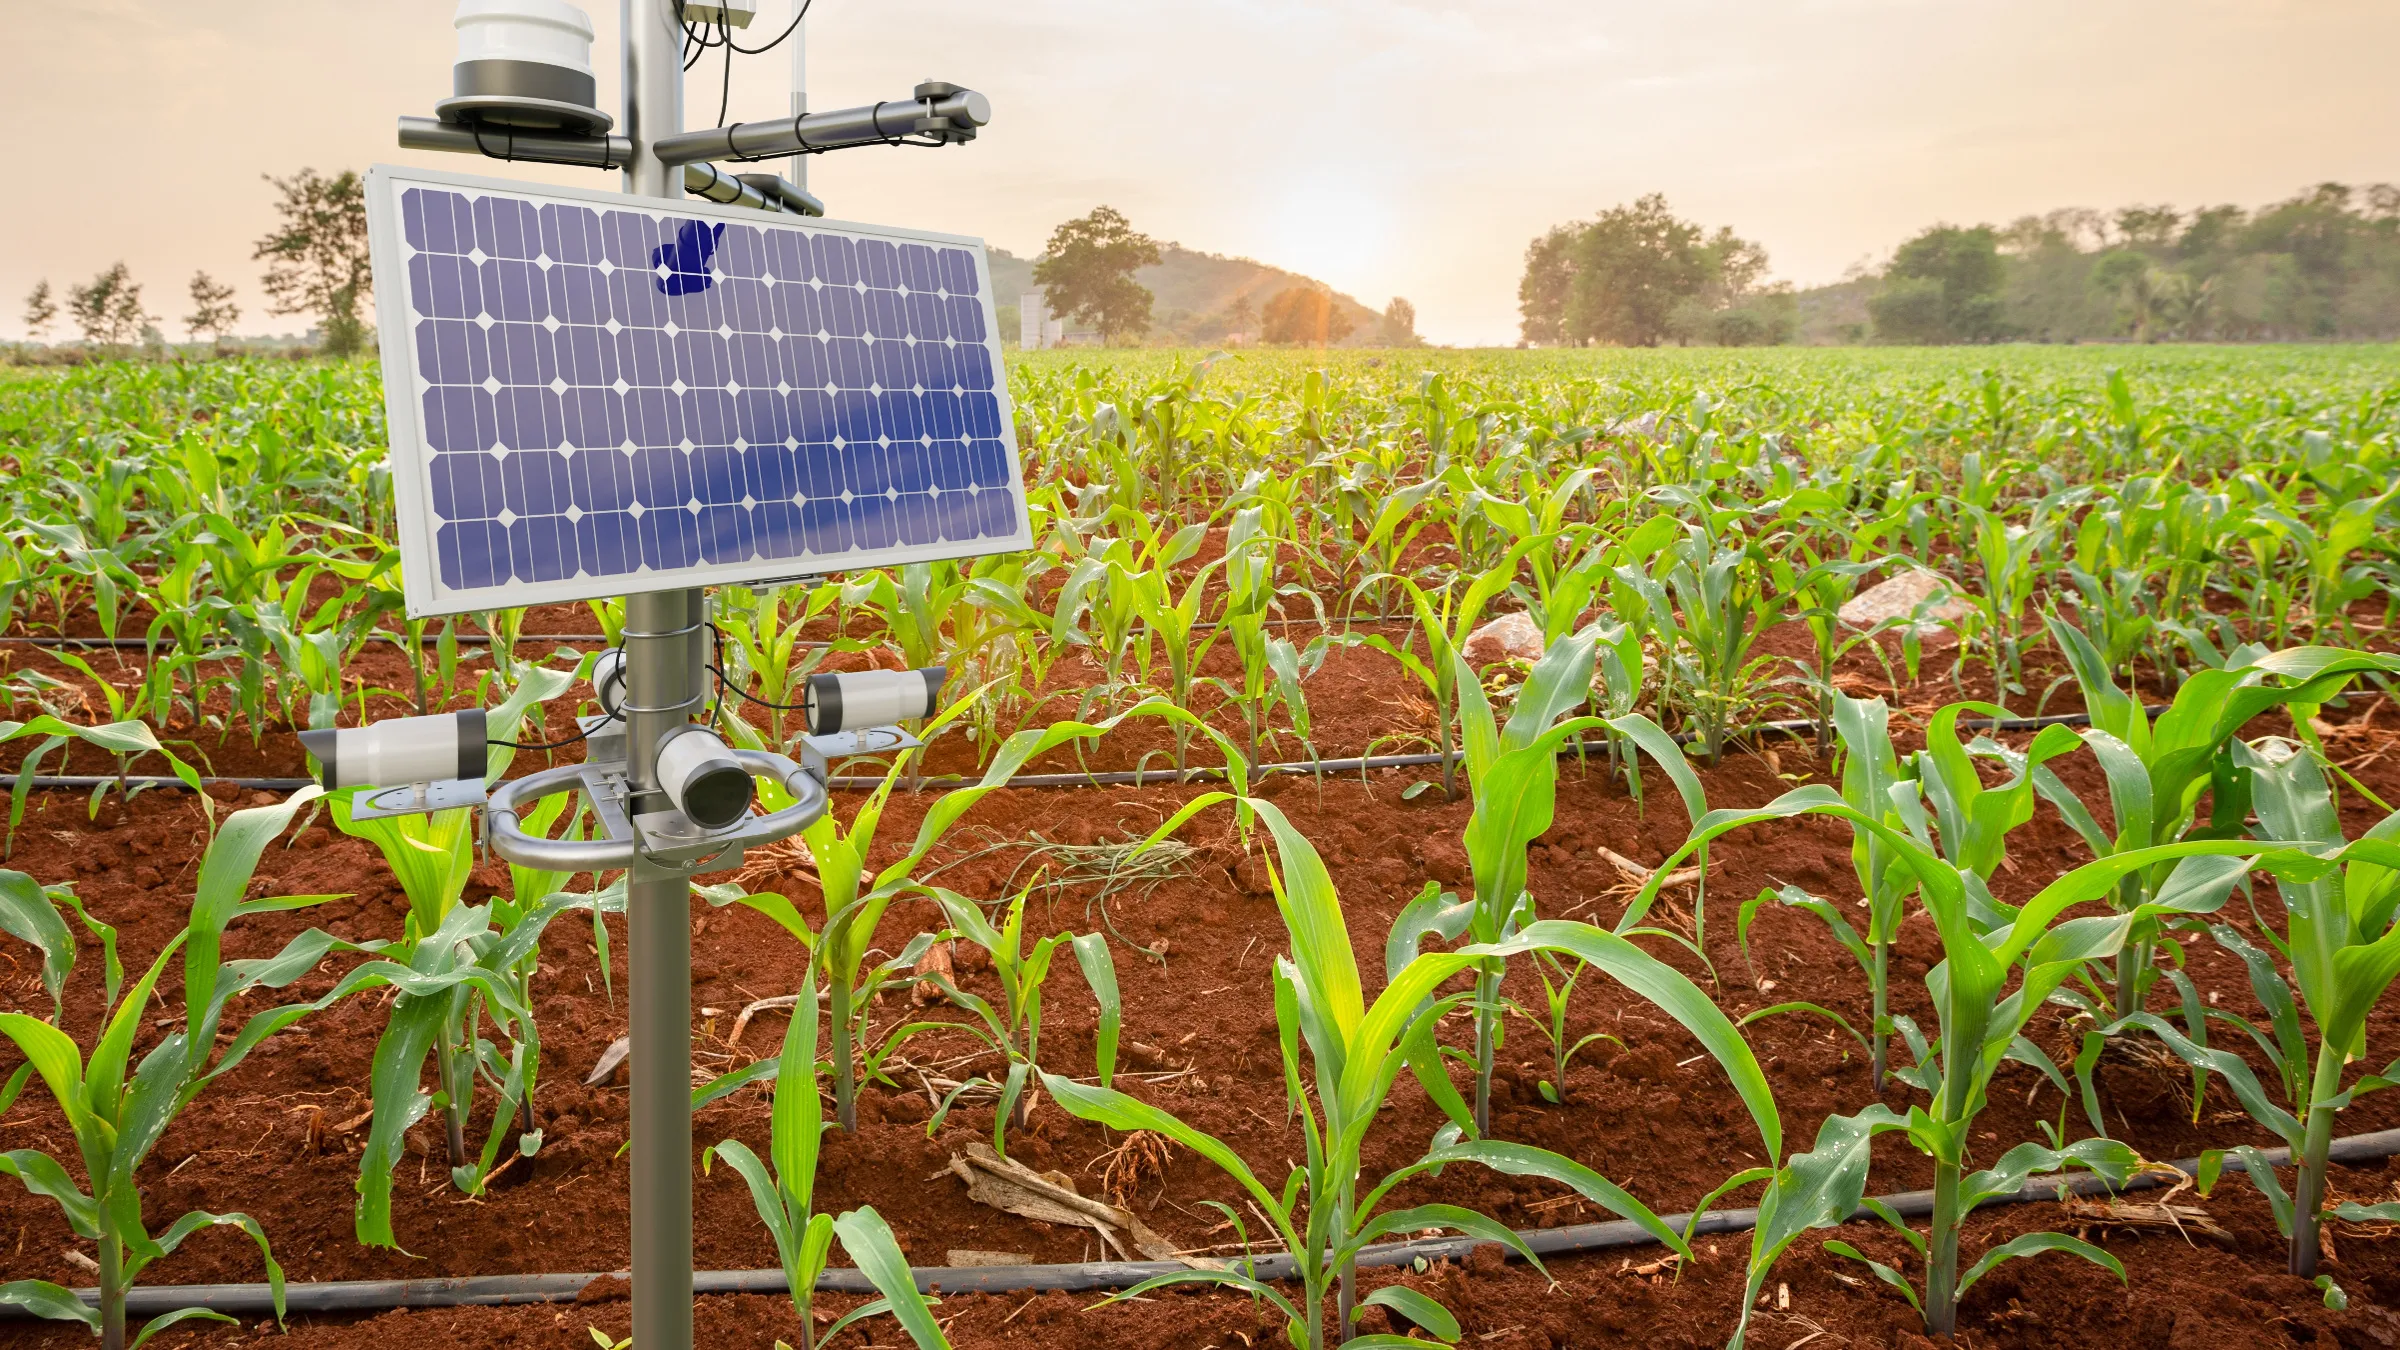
(503,111)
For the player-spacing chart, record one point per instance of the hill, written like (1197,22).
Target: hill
(1195,294)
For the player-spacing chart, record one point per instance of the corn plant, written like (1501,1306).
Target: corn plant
(2156,773)
(854,900)
(2342,949)
(468,964)
(118,1117)
(1725,605)
(1444,619)
(1558,993)
(1514,771)
(127,740)
(1357,1051)
(1974,822)
(1014,1029)
(1979,1025)
(783,1189)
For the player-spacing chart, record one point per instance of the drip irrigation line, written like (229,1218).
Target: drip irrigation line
(385,637)
(478,639)
(343,1296)
(1112,778)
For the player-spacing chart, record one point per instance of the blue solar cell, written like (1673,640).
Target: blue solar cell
(796,309)
(748,306)
(754,363)
(577,294)
(522,353)
(920,268)
(848,363)
(507,227)
(605,390)
(593,418)
(966,319)
(787,256)
(515,290)
(841,312)
(571,234)
(528,419)
(928,318)
(803,362)
(459,418)
(745,252)
(834,262)
(894,367)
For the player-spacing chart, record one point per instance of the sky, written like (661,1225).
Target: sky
(1399,147)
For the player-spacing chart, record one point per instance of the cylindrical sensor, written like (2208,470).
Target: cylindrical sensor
(703,778)
(401,750)
(851,700)
(608,681)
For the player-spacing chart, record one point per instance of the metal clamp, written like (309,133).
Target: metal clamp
(664,837)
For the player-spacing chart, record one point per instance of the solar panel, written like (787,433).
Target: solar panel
(591,394)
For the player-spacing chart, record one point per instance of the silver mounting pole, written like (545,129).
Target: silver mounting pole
(662,687)
(799,40)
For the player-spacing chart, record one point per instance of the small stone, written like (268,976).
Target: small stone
(1901,596)
(1511,637)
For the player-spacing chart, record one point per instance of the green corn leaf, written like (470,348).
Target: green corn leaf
(869,1241)
(55,1302)
(2032,1244)
(1417,1308)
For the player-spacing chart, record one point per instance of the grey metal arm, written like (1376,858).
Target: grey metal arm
(939,112)
(511,842)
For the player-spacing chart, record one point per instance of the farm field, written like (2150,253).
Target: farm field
(2082,863)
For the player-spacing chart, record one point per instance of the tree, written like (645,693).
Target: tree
(1632,266)
(1241,319)
(41,309)
(1549,276)
(1087,272)
(213,310)
(1400,324)
(107,310)
(1942,286)
(1305,316)
(317,255)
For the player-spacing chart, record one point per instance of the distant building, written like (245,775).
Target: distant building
(1037,327)
(1032,321)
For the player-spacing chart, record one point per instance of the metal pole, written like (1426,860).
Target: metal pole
(799,172)
(661,685)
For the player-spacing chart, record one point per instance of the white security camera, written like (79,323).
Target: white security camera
(703,779)
(851,700)
(401,750)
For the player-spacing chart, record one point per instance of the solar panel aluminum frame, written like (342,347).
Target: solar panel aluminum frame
(427,595)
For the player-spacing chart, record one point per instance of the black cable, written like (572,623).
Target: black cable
(725,91)
(546,745)
(726,683)
(789,29)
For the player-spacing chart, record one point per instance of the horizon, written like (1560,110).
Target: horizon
(2240,101)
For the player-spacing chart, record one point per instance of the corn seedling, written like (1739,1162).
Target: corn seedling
(783,1189)
(117,1116)
(2342,949)
(1014,1029)
(1357,1051)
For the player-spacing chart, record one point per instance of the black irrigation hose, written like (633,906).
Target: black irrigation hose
(431,639)
(337,1296)
(1116,778)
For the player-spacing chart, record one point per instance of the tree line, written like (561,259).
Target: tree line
(1086,273)
(2323,264)
(316,259)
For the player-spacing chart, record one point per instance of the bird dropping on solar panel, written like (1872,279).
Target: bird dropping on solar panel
(592,394)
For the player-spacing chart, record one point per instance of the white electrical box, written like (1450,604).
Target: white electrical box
(733,14)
